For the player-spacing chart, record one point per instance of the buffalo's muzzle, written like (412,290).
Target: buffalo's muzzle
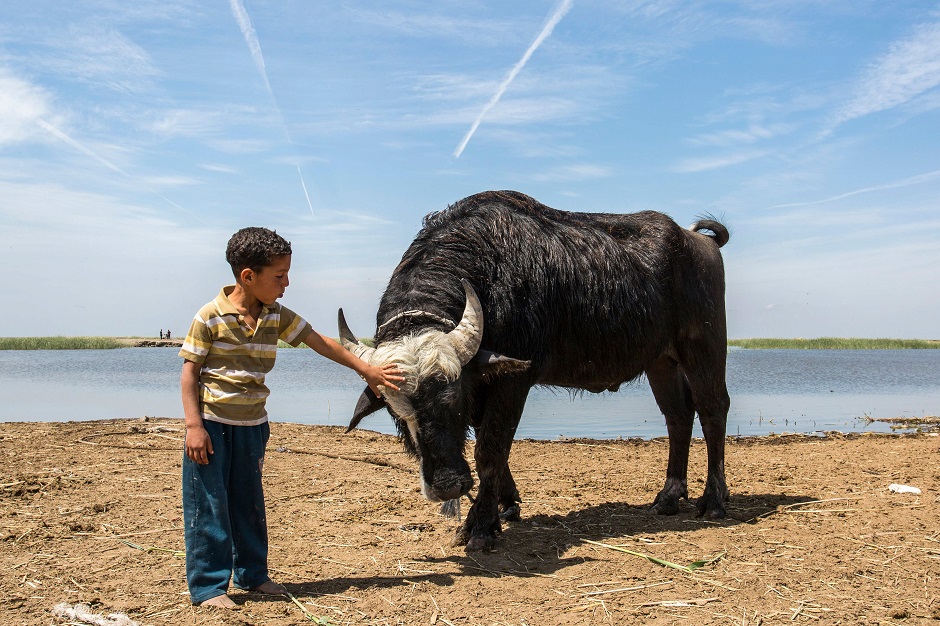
(447,485)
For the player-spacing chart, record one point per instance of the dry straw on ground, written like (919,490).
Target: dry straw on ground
(91,515)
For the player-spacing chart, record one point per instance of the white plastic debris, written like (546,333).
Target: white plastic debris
(896,488)
(81,613)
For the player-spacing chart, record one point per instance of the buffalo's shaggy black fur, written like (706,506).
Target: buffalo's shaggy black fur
(590,300)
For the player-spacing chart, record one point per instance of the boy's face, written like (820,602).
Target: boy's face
(268,284)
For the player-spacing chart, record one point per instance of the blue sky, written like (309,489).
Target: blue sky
(135,137)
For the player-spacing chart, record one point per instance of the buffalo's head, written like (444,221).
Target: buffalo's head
(433,409)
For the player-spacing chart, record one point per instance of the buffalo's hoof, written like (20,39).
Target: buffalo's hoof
(478,543)
(665,504)
(472,543)
(709,509)
(511,514)
(665,507)
(667,500)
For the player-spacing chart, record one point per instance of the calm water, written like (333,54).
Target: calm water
(772,391)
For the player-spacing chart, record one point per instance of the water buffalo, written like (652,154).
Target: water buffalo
(499,292)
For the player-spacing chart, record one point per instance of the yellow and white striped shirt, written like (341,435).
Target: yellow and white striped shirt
(234,359)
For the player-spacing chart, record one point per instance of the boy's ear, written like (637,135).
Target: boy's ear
(246,275)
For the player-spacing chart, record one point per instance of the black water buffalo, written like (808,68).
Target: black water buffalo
(499,292)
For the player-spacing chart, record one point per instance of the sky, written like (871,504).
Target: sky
(136,137)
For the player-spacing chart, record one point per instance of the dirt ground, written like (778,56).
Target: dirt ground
(91,515)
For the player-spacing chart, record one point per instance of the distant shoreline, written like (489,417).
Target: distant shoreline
(821,343)
(85,343)
(836,343)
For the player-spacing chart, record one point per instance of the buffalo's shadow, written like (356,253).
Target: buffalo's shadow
(534,546)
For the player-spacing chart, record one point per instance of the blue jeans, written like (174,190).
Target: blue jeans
(223,512)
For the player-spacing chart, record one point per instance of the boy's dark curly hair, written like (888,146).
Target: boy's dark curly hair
(254,248)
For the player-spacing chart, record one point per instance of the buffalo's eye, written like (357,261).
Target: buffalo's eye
(439,402)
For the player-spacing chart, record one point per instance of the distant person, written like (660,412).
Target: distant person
(167,333)
(230,347)
(161,333)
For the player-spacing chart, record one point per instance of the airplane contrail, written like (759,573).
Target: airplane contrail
(306,195)
(251,38)
(560,10)
(108,164)
(81,148)
(254,47)
(904,182)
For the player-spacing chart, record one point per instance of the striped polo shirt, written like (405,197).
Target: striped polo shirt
(234,359)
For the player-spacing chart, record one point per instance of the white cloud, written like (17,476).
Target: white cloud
(101,56)
(654,31)
(752,134)
(220,169)
(186,122)
(240,146)
(576,172)
(21,106)
(690,166)
(909,69)
(473,30)
(169,181)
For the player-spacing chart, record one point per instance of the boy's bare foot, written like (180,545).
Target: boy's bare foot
(271,588)
(221,602)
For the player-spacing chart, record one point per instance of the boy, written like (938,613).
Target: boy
(230,347)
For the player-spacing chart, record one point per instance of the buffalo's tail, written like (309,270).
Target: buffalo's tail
(716,230)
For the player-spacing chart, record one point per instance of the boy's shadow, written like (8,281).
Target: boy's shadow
(543,544)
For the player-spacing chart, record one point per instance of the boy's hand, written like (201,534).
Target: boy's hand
(386,375)
(374,375)
(198,445)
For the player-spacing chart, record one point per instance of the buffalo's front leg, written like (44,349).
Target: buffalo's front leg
(496,487)
(509,498)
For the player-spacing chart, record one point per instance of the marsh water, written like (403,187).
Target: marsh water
(772,391)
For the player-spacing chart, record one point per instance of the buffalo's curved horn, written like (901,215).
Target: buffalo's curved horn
(368,404)
(468,334)
(349,341)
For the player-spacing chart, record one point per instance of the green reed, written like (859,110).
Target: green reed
(835,343)
(61,343)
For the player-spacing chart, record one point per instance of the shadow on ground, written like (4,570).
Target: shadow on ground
(537,545)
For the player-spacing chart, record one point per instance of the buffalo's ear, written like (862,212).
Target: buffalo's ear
(495,364)
(368,404)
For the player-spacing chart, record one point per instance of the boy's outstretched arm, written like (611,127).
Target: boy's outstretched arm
(386,375)
(198,444)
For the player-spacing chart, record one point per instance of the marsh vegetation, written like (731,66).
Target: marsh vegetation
(835,343)
(61,343)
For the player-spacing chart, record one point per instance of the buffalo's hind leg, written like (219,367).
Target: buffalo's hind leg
(704,365)
(674,398)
